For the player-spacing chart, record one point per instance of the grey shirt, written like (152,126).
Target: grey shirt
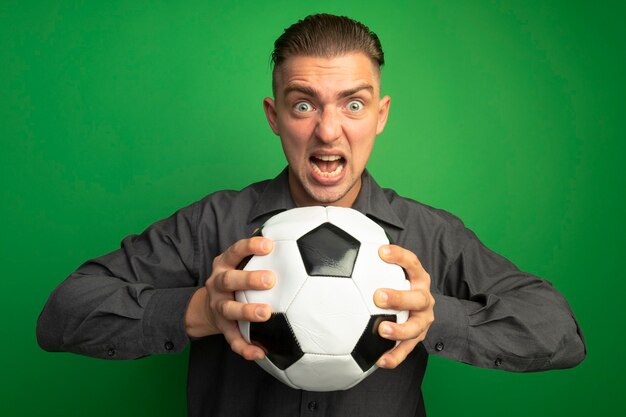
(132,302)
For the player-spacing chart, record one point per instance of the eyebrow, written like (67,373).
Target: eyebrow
(296,88)
(352,91)
(312,92)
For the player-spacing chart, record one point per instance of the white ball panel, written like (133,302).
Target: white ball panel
(277,373)
(244,328)
(328,316)
(325,373)
(372,273)
(240,296)
(286,263)
(292,224)
(364,375)
(357,224)
(402,316)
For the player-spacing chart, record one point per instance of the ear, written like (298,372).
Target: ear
(269,106)
(383,113)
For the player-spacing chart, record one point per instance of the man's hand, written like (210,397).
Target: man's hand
(213,309)
(418,301)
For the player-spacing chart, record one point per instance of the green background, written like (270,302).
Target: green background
(509,114)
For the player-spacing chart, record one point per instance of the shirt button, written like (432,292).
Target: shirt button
(111,352)
(312,406)
(169,345)
(497,362)
(439,346)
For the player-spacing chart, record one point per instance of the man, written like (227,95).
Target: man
(465,302)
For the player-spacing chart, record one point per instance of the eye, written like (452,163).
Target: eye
(355,106)
(303,107)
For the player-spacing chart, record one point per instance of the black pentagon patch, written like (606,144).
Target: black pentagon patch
(328,251)
(371,345)
(276,338)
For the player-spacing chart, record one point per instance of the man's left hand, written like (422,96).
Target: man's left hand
(417,300)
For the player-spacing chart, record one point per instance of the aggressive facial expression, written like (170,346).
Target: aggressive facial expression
(327,112)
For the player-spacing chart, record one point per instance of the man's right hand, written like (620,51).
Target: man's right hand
(213,308)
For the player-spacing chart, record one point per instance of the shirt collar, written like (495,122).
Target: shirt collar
(371,200)
(275,197)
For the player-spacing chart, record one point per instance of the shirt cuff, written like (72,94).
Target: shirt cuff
(448,334)
(164,320)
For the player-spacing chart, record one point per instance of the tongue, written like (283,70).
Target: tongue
(327,166)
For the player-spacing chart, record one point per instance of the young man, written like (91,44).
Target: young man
(465,302)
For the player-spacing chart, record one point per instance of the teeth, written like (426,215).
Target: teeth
(334,173)
(327,157)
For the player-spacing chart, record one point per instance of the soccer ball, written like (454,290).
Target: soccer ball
(323,332)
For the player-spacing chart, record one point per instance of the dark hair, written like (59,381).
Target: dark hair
(326,35)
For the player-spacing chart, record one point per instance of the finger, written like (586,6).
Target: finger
(398,255)
(252,353)
(233,310)
(397,355)
(413,328)
(239,345)
(416,273)
(395,254)
(414,300)
(233,256)
(236,280)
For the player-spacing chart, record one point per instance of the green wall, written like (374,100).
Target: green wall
(114,114)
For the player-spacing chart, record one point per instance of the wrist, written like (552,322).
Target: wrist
(197,322)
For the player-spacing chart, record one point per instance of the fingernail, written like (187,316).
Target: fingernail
(266,245)
(381,363)
(260,312)
(267,280)
(383,297)
(385,330)
(385,250)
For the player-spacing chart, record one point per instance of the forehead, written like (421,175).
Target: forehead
(323,73)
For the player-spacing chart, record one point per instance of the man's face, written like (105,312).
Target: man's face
(327,112)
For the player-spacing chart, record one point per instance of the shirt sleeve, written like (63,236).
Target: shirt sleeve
(490,314)
(131,302)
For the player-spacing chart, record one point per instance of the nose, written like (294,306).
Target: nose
(328,126)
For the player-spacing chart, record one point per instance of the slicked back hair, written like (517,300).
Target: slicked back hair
(327,36)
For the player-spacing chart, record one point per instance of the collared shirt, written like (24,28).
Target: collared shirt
(132,302)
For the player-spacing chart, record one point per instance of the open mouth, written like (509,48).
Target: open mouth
(327,165)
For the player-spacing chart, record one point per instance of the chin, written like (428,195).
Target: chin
(316,194)
(326,197)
